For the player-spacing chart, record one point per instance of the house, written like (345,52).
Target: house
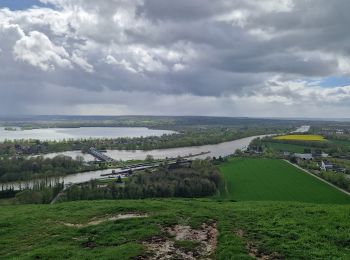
(339,131)
(303,156)
(319,153)
(340,170)
(332,131)
(324,155)
(255,149)
(325,165)
(286,153)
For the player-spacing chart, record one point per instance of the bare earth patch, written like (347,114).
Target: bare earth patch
(98,221)
(186,243)
(254,250)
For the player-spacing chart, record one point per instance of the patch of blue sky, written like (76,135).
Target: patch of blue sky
(20,4)
(328,82)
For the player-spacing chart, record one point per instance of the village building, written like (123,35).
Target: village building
(319,153)
(303,156)
(325,165)
(332,131)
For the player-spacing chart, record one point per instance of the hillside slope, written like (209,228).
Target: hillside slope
(91,229)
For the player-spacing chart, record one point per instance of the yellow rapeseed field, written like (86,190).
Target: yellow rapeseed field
(301,137)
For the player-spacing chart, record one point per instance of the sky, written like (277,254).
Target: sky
(256,58)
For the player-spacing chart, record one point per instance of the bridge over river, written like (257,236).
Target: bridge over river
(99,155)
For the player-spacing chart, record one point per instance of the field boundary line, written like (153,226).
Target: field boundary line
(319,178)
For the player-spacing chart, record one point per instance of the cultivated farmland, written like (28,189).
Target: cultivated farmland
(295,148)
(274,180)
(300,137)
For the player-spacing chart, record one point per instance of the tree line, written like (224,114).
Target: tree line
(200,180)
(338,179)
(38,193)
(22,169)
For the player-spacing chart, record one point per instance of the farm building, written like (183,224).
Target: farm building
(340,170)
(325,165)
(303,156)
(332,131)
(286,153)
(319,153)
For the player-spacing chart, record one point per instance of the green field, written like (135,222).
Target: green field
(294,148)
(345,143)
(284,229)
(274,180)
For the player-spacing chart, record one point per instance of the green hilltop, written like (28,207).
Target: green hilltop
(288,230)
(280,213)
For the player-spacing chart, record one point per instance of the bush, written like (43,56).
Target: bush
(29,197)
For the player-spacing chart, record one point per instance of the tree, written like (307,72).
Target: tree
(149,158)
(29,197)
(238,152)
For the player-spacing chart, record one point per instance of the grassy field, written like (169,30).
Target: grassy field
(284,229)
(345,143)
(295,148)
(301,137)
(275,180)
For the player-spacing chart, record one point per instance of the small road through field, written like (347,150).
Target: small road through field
(297,166)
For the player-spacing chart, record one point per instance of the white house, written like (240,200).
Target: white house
(303,156)
(325,165)
(324,155)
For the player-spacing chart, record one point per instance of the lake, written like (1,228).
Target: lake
(58,134)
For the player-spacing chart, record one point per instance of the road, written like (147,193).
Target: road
(313,175)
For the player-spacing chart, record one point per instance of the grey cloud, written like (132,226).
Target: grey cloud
(181,10)
(196,48)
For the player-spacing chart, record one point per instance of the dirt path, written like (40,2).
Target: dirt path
(56,198)
(313,175)
(98,221)
(226,189)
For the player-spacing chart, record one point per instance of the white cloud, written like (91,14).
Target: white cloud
(121,63)
(81,62)
(179,67)
(37,50)
(296,93)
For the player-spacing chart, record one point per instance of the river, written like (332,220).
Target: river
(222,149)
